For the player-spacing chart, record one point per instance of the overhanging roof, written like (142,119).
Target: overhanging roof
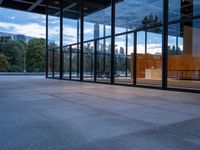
(70,7)
(36,6)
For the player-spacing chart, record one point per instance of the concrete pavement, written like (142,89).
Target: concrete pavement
(44,114)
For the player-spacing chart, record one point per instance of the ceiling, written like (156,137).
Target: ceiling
(70,7)
(36,6)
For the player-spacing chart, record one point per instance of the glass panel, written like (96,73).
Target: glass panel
(104,60)
(120,58)
(97,24)
(54,37)
(184,50)
(88,64)
(97,20)
(184,56)
(134,14)
(75,62)
(149,57)
(66,56)
(50,63)
(57,63)
(130,61)
(124,58)
(71,35)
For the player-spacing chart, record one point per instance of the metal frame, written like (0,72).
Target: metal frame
(126,59)
(47,52)
(70,62)
(81,37)
(112,42)
(80,51)
(61,39)
(165,44)
(53,66)
(135,59)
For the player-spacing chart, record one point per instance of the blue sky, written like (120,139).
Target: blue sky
(18,22)
(34,25)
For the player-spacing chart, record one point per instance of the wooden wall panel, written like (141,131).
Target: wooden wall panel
(179,66)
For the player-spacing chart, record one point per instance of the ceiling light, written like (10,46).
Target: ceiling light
(56,2)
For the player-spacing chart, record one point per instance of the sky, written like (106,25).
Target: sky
(18,22)
(34,25)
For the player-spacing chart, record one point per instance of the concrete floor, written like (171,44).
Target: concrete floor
(45,114)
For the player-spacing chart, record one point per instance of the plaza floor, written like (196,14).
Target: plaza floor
(44,114)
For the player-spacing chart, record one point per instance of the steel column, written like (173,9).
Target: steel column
(135,59)
(165,44)
(47,53)
(95,61)
(126,53)
(53,63)
(104,47)
(145,41)
(61,39)
(70,62)
(112,41)
(81,41)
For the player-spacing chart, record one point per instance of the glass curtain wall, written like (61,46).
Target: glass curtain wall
(71,38)
(88,57)
(104,60)
(147,26)
(54,42)
(138,58)
(124,42)
(75,62)
(183,44)
(50,63)
(56,63)
(97,29)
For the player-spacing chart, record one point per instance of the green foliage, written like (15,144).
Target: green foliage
(120,60)
(88,57)
(35,55)
(4,65)
(174,51)
(14,51)
(5,38)
(149,21)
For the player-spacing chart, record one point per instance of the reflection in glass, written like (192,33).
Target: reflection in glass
(75,60)
(56,62)
(54,41)
(123,61)
(104,60)
(184,46)
(71,35)
(50,63)
(149,57)
(66,62)
(88,64)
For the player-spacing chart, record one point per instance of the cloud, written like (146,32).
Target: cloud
(88,31)
(29,29)
(70,35)
(152,48)
(35,16)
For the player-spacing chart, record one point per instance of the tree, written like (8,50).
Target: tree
(174,51)
(14,51)
(4,65)
(5,38)
(52,46)
(149,21)
(35,55)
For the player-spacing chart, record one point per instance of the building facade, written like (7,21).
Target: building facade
(142,43)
